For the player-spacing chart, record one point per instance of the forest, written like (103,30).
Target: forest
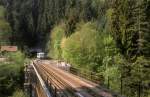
(109,37)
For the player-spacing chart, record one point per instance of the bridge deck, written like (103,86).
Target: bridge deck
(70,84)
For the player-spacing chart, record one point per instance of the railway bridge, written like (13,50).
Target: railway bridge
(46,79)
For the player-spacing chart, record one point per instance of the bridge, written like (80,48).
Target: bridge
(47,79)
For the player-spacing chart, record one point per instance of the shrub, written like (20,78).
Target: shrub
(19,93)
(11,74)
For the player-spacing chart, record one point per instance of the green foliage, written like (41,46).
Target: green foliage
(2,12)
(110,37)
(18,57)
(112,70)
(55,41)
(73,18)
(82,50)
(11,74)
(130,27)
(31,22)
(139,76)
(112,77)
(19,93)
(5,29)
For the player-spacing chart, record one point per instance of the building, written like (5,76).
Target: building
(9,48)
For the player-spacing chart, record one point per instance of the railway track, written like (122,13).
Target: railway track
(69,85)
(76,91)
(63,89)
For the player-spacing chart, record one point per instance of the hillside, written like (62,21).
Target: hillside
(108,37)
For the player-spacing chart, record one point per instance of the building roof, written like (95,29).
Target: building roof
(9,48)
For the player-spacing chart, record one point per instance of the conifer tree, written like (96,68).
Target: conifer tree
(129,27)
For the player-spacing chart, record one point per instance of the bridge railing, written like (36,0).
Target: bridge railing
(39,88)
(122,88)
(53,87)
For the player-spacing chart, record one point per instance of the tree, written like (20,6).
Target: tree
(129,27)
(5,29)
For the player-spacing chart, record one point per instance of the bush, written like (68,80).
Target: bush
(11,74)
(18,57)
(19,93)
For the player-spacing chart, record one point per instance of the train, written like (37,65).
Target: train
(41,55)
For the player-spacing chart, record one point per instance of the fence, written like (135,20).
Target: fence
(34,85)
(54,85)
(92,76)
(122,88)
(132,90)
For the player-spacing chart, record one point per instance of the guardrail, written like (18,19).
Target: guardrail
(41,83)
(55,87)
(92,76)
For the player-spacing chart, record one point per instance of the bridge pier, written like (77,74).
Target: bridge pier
(34,85)
(27,82)
(30,81)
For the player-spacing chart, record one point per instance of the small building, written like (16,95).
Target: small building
(41,55)
(9,48)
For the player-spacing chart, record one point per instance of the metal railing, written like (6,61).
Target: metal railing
(39,88)
(54,84)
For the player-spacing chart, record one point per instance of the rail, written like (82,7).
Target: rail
(41,82)
(58,87)
(55,84)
